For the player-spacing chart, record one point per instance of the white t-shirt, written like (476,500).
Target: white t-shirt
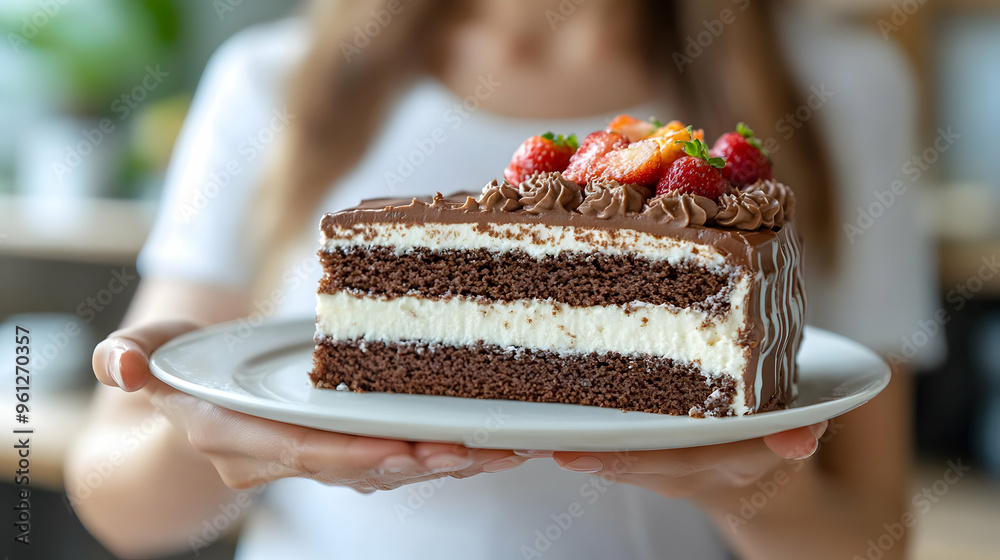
(877,297)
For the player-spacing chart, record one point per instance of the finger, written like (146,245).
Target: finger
(442,457)
(799,443)
(478,461)
(532,453)
(241,472)
(391,482)
(122,359)
(215,430)
(748,454)
(475,461)
(492,461)
(456,458)
(482,461)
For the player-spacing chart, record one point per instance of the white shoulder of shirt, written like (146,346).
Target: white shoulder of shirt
(235,118)
(860,89)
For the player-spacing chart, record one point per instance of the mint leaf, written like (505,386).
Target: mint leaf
(656,122)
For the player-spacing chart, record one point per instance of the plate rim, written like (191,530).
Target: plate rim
(241,400)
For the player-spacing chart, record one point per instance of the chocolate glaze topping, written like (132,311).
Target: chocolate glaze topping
(612,199)
(683,210)
(748,210)
(549,192)
(736,245)
(780,192)
(499,196)
(470,205)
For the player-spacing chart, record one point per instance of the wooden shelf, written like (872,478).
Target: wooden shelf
(82,230)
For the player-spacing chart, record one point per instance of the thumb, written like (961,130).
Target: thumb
(799,443)
(122,359)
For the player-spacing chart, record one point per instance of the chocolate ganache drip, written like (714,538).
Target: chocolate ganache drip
(499,196)
(606,200)
(545,192)
(682,209)
(747,210)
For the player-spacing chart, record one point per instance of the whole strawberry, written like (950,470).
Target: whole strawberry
(747,161)
(540,154)
(696,173)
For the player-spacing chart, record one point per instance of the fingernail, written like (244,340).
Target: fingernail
(398,464)
(817,430)
(531,453)
(447,462)
(115,364)
(585,465)
(498,465)
(802,454)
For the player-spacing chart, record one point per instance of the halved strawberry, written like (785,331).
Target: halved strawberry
(540,154)
(582,165)
(638,163)
(747,161)
(668,129)
(695,173)
(631,127)
(668,136)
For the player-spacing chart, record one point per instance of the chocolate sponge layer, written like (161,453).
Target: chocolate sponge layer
(571,278)
(482,371)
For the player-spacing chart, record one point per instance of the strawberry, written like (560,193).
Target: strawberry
(582,166)
(746,158)
(631,127)
(667,129)
(638,163)
(695,173)
(670,136)
(540,154)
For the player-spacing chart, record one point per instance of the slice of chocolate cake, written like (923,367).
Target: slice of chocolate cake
(549,292)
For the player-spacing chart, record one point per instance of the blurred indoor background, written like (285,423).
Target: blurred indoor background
(92,95)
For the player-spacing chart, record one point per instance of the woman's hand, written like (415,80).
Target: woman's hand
(248,451)
(711,475)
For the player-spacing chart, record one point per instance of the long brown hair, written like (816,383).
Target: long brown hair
(340,94)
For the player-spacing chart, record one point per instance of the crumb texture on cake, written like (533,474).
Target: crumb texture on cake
(681,334)
(639,383)
(576,279)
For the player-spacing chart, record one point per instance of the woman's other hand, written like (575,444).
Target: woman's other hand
(248,451)
(712,475)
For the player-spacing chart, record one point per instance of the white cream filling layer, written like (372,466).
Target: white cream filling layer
(684,335)
(537,240)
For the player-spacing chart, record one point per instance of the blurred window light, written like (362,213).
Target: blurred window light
(968,82)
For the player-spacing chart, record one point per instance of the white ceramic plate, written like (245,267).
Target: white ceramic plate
(262,371)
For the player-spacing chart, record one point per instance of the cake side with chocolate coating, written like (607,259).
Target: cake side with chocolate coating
(549,292)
